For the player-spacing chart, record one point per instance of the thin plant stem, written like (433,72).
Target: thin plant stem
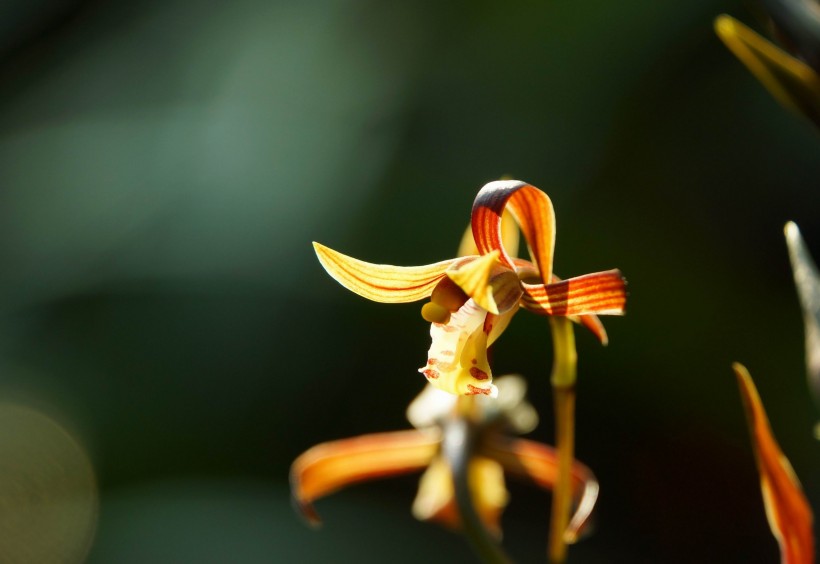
(564,372)
(458,445)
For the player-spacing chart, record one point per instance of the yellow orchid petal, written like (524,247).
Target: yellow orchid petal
(789,514)
(792,82)
(382,282)
(435,500)
(473,277)
(602,293)
(327,467)
(533,211)
(457,359)
(539,463)
(510,238)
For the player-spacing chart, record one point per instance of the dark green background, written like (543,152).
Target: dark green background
(165,165)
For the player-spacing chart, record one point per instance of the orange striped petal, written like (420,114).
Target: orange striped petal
(789,514)
(382,282)
(328,467)
(602,293)
(527,270)
(510,238)
(539,463)
(532,210)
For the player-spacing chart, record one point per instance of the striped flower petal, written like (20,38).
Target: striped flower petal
(382,282)
(602,293)
(510,238)
(328,467)
(539,463)
(532,210)
(789,514)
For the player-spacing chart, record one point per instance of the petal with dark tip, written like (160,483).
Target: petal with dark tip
(539,463)
(382,282)
(328,467)
(789,514)
(532,210)
(602,293)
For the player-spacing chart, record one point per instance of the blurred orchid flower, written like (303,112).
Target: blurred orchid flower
(330,466)
(807,281)
(792,79)
(473,298)
(790,517)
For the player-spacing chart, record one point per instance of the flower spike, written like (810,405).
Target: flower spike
(789,514)
(382,282)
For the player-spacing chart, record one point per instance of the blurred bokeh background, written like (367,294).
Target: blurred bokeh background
(165,165)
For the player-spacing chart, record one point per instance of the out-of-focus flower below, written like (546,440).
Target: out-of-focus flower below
(792,79)
(789,514)
(807,280)
(331,466)
(473,298)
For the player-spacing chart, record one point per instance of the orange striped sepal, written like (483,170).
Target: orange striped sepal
(602,293)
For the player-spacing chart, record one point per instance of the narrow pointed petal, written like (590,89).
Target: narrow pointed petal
(539,463)
(602,293)
(328,467)
(789,514)
(457,359)
(532,210)
(382,282)
(807,280)
(594,324)
(473,278)
(435,500)
(510,238)
(793,83)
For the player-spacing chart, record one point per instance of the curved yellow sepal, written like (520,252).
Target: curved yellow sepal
(382,282)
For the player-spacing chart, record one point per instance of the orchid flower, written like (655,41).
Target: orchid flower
(792,79)
(473,298)
(789,514)
(328,467)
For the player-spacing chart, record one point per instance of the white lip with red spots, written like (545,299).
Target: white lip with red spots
(457,359)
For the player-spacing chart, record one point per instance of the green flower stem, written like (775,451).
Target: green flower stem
(458,445)
(564,372)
